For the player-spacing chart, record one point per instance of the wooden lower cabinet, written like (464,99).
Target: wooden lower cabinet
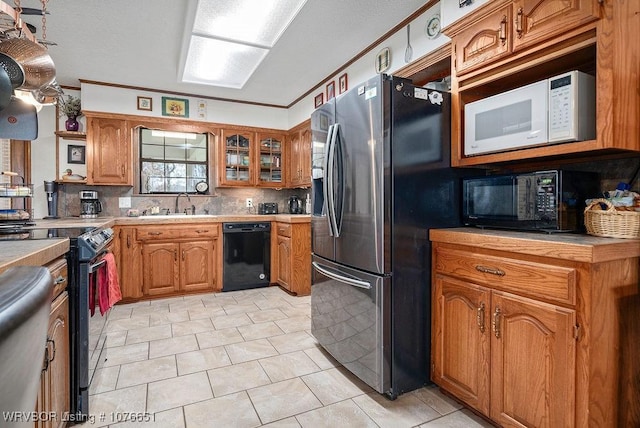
(533,330)
(165,260)
(291,261)
(507,356)
(129,261)
(284,257)
(54,392)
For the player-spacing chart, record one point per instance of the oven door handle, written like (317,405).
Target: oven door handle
(95,267)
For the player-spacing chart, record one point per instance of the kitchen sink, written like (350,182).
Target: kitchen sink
(166,216)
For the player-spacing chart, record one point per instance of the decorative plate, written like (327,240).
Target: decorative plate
(202,187)
(383,60)
(432,29)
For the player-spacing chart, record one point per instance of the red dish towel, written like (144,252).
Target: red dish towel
(108,284)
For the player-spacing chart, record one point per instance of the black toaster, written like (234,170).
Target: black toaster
(268,208)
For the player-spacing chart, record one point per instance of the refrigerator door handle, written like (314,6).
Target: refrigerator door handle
(329,189)
(325,182)
(351,281)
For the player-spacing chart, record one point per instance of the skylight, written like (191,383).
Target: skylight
(230,38)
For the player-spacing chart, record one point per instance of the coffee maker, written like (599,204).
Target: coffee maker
(51,189)
(90,206)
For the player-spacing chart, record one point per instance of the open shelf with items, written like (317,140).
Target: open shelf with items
(10,217)
(270,160)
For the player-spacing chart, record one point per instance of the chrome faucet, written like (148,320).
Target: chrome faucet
(188,199)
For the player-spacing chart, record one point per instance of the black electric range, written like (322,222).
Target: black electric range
(30,233)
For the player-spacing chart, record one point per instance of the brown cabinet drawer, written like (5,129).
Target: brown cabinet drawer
(283,229)
(59,272)
(536,280)
(165,232)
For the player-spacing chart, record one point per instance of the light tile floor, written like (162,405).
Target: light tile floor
(241,359)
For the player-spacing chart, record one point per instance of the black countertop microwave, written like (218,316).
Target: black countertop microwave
(544,200)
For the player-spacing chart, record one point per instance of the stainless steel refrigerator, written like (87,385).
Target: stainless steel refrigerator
(380,180)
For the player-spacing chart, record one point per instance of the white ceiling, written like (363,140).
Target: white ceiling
(139,43)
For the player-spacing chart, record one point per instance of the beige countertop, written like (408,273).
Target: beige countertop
(185,219)
(31,253)
(40,252)
(569,246)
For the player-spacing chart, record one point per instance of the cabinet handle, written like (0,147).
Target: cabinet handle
(480,317)
(202,231)
(492,271)
(496,323)
(503,30)
(60,280)
(128,241)
(155,233)
(281,231)
(519,17)
(175,255)
(182,255)
(48,360)
(122,170)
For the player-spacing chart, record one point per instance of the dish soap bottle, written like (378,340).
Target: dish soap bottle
(307,205)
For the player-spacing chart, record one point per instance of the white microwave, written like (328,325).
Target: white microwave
(555,110)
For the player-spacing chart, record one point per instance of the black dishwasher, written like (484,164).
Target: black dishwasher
(247,255)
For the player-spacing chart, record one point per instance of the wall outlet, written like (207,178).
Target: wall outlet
(124,202)
(249,203)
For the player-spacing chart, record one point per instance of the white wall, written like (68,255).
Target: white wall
(451,10)
(364,68)
(125,101)
(43,159)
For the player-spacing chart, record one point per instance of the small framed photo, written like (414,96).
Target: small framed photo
(318,100)
(177,107)
(75,154)
(342,83)
(331,90)
(145,103)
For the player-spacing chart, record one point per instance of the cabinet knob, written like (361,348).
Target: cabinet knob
(60,279)
(155,233)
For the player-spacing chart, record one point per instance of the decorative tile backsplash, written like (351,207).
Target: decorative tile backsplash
(223,201)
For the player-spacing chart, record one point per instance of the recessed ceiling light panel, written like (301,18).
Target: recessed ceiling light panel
(221,63)
(257,22)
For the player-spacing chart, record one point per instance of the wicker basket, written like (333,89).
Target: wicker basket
(611,222)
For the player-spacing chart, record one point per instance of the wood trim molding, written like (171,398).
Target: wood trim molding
(184,94)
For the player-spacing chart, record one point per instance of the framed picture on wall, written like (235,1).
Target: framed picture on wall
(145,103)
(342,83)
(177,107)
(318,100)
(75,154)
(331,90)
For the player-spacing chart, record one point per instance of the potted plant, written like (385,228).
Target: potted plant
(71,108)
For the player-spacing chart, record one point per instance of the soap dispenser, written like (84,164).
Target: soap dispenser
(307,205)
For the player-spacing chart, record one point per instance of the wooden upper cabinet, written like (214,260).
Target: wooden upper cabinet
(236,158)
(108,152)
(535,21)
(507,27)
(485,40)
(300,157)
(270,163)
